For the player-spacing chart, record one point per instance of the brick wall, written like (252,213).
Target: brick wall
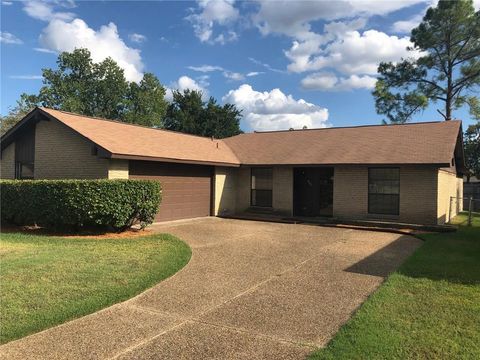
(242,201)
(118,169)
(449,185)
(350,196)
(282,192)
(7,162)
(225,190)
(61,153)
(418,194)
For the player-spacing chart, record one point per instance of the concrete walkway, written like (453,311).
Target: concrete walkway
(252,290)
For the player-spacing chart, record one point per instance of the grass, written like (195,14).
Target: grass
(46,280)
(428,309)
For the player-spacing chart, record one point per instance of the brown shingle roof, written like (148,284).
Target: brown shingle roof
(416,143)
(132,141)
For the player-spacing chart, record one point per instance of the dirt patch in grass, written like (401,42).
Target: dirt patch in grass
(84,233)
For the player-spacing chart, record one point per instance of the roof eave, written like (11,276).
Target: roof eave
(6,139)
(172,160)
(443,164)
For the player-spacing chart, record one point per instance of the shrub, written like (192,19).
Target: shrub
(80,203)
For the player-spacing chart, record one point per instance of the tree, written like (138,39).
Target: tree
(221,121)
(146,104)
(79,85)
(472,150)
(97,89)
(24,105)
(447,71)
(188,113)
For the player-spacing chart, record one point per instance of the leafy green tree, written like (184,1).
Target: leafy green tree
(221,121)
(185,112)
(95,89)
(146,102)
(447,71)
(474,104)
(188,113)
(472,150)
(24,105)
(79,85)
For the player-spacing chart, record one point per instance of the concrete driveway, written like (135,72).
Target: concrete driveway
(252,290)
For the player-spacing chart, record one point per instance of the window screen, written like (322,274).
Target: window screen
(24,170)
(384,191)
(261,190)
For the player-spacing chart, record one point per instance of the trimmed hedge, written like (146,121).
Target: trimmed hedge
(80,203)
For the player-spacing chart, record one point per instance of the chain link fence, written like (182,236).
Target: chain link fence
(471,190)
(468,205)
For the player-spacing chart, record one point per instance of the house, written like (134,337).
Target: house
(402,173)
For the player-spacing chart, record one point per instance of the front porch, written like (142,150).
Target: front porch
(317,193)
(305,191)
(369,225)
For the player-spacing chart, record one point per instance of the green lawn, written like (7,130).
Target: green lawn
(46,280)
(428,309)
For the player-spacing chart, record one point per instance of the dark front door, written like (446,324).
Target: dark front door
(313,191)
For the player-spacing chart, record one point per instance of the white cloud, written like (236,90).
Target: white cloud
(206,68)
(375,7)
(405,26)
(235,76)
(202,81)
(9,38)
(187,83)
(7,3)
(211,13)
(44,11)
(222,39)
(230,75)
(60,36)
(254,73)
(26,77)
(294,18)
(352,53)
(266,66)
(345,53)
(273,110)
(137,38)
(43,50)
(330,82)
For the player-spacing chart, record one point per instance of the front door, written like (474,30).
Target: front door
(313,191)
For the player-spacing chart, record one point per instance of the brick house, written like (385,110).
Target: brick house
(401,173)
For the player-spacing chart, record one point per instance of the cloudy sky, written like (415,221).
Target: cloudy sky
(284,63)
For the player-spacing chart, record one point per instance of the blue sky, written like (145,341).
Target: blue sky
(284,63)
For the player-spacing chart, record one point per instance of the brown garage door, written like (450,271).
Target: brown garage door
(186,188)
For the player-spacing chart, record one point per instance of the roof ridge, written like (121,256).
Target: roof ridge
(126,123)
(353,127)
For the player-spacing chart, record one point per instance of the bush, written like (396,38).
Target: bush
(80,203)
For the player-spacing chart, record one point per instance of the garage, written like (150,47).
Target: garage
(186,188)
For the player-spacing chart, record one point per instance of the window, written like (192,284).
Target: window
(261,190)
(384,191)
(23,170)
(25,154)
